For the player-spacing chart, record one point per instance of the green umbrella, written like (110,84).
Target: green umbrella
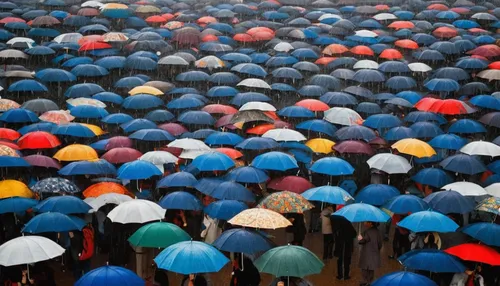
(289,260)
(158,234)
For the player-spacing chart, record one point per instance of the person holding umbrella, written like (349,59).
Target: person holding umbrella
(344,234)
(369,258)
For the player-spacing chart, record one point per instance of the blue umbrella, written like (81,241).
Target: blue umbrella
(63,204)
(223,138)
(433,177)
(225,209)
(488,233)
(376,194)
(296,112)
(432,260)
(442,85)
(223,78)
(328,194)
(55,185)
(110,276)
(338,99)
(192,76)
(227,191)
(222,91)
(428,221)
(486,101)
(463,164)
(449,202)
(213,161)
(317,125)
(242,240)
(16,205)
(159,115)
(466,126)
(99,167)
(247,175)
(129,82)
(137,170)
(398,133)
(355,132)
(404,204)
(359,212)
(403,278)
(27,85)
(242,98)
(401,82)
(83,90)
(250,69)
(142,101)
(73,129)
(8,161)
(137,124)
(419,116)
(448,141)
(53,222)
(88,111)
(368,108)
(154,135)
(55,75)
(282,87)
(179,179)
(410,96)
(110,63)
(191,257)
(89,70)
(274,160)
(42,126)
(117,118)
(185,103)
(181,201)
(19,115)
(332,166)
(73,62)
(378,121)
(196,117)
(257,143)
(426,130)
(107,96)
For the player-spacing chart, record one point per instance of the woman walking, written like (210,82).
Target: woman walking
(369,258)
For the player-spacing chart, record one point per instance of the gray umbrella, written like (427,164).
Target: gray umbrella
(40,105)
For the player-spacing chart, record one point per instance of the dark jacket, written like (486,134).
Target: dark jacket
(369,257)
(245,274)
(76,245)
(344,235)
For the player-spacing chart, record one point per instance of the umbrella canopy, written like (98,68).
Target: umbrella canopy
(428,221)
(28,249)
(431,260)
(242,240)
(260,218)
(158,235)
(288,259)
(360,212)
(285,202)
(403,278)
(476,253)
(110,275)
(136,211)
(389,163)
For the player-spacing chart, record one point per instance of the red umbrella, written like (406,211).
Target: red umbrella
(445,32)
(406,44)
(478,31)
(391,54)
(362,51)
(244,38)
(232,153)
(294,184)
(313,104)
(401,25)
(325,60)
(90,46)
(438,6)
(118,142)
(353,147)
(425,103)
(38,140)
(87,12)
(220,109)
(42,161)
(488,51)
(460,10)
(9,134)
(476,253)
(9,144)
(260,129)
(156,19)
(263,36)
(209,38)
(451,107)
(173,128)
(121,155)
(335,49)
(11,20)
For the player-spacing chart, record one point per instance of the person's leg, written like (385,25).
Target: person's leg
(330,246)
(85,265)
(77,270)
(325,246)
(371,275)
(364,277)
(340,267)
(347,264)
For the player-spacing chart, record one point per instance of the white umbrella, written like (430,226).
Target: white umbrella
(494,190)
(366,34)
(12,54)
(159,158)
(365,64)
(105,199)
(255,83)
(189,144)
(173,61)
(28,249)
(419,67)
(136,211)
(482,148)
(283,134)
(329,16)
(192,154)
(257,105)
(211,62)
(389,163)
(68,38)
(21,40)
(342,116)
(283,47)
(92,4)
(385,16)
(466,188)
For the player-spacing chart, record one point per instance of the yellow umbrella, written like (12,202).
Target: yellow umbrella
(96,129)
(13,188)
(414,147)
(76,152)
(260,218)
(319,145)
(145,89)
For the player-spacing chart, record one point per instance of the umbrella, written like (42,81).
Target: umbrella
(63,204)
(484,232)
(55,185)
(290,183)
(389,163)
(136,211)
(53,222)
(428,221)
(76,152)
(16,205)
(137,170)
(463,164)
(260,218)
(332,166)
(28,249)
(476,253)
(289,260)
(285,202)
(414,147)
(247,174)
(491,205)
(466,188)
(158,235)
(225,209)
(433,260)
(433,177)
(242,240)
(191,257)
(403,278)
(213,161)
(328,194)
(404,204)
(449,202)
(110,198)
(376,194)
(360,212)
(180,201)
(13,188)
(274,160)
(481,148)
(99,167)
(110,275)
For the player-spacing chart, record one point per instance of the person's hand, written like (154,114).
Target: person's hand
(360,237)
(185,224)
(32,281)
(191,277)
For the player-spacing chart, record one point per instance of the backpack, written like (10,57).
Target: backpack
(88,243)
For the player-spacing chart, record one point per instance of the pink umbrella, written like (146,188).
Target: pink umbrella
(121,155)
(42,161)
(118,142)
(293,184)
(353,147)
(173,128)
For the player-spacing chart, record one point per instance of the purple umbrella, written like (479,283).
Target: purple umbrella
(121,155)
(42,161)
(353,147)
(173,128)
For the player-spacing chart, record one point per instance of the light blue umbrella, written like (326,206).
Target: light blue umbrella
(137,170)
(360,212)
(404,204)
(191,257)
(110,276)
(403,278)
(63,204)
(213,161)
(16,204)
(332,166)
(274,160)
(328,194)
(53,222)
(428,221)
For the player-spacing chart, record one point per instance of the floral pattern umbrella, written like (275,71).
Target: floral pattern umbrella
(7,104)
(285,202)
(55,185)
(7,151)
(260,218)
(57,116)
(491,205)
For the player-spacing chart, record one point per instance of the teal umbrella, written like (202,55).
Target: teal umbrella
(289,260)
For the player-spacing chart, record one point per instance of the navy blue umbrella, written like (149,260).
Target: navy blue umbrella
(55,75)
(433,177)
(433,260)
(225,209)
(142,101)
(181,201)
(99,167)
(179,179)
(247,175)
(404,204)
(376,194)
(137,124)
(257,143)
(73,129)
(450,202)
(403,278)
(242,240)
(63,204)
(154,135)
(463,164)
(355,132)
(53,222)
(26,85)
(196,117)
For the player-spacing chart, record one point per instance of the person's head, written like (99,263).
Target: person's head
(369,224)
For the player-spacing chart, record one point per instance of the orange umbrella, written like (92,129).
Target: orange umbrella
(260,129)
(172,25)
(232,153)
(168,16)
(425,103)
(244,38)
(325,60)
(313,105)
(382,7)
(7,104)
(90,38)
(263,36)
(445,32)
(391,54)
(362,51)
(335,49)
(206,20)
(156,19)
(210,38)
(105,188)
(406,44)
(255,30)
(9,134)
(401,25)
(438,6)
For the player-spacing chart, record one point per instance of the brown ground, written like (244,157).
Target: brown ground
(314,242)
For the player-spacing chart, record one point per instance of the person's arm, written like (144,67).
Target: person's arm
(183,218)
(364,239)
